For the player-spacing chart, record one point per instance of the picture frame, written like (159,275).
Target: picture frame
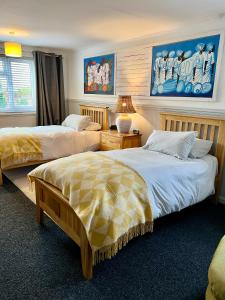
(194,86)
(99,75)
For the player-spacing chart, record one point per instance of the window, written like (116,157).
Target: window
(17,85)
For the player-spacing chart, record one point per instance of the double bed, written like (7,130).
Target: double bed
(170,183)
(36,145)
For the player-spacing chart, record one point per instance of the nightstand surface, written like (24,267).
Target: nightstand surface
(112,140)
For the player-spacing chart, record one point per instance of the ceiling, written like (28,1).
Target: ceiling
(82,23)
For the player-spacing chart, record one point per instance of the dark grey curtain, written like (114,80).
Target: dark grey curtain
(50,88)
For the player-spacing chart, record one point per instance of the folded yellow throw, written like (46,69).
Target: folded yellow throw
(18,149)
(109,197)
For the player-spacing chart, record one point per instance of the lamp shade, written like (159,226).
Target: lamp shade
(13,49)
(124,105)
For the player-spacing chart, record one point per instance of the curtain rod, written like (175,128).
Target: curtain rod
(29,51)
(22,57)
(31,57)
(48,53)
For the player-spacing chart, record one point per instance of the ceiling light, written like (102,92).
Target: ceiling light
(13,49)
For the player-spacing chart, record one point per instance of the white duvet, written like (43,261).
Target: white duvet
(173,184)
(59,141)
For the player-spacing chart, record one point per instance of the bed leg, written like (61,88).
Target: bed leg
(39,210)
(86,255)
(1,178)
(39,214)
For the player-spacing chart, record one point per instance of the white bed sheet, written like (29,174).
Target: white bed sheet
(59,141)
(63,141)
(173,184)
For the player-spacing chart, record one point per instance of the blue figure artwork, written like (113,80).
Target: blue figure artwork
(185,69)
(99,75)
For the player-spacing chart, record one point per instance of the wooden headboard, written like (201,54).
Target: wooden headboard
(98,114)
(209,128)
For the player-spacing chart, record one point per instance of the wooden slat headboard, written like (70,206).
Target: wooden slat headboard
(209,128)
(98,114)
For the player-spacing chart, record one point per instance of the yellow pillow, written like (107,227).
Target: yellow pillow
(216,272)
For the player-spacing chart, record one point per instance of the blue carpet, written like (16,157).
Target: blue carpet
(41,262)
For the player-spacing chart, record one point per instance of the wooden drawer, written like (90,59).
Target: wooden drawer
(108,142)
(132,142)
(112,140)
(110,145)
(107,147)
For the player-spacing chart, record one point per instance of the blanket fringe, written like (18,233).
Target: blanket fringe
(31,183)
(109,251)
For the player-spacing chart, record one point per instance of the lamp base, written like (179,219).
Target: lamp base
(123,123)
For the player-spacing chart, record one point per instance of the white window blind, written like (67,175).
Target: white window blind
(17,85)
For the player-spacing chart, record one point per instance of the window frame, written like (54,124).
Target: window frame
(7,72)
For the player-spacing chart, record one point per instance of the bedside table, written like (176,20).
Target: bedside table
(112,140)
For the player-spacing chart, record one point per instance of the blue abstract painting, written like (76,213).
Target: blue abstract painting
(185,69)
(99,75)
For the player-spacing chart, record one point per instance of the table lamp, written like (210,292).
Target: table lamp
(124,108)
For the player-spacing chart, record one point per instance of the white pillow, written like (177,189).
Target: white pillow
(77,122)
(200,148)
(178,144)
(93,127)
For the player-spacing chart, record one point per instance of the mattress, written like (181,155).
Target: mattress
(58,141)
(173,184)
(63,141)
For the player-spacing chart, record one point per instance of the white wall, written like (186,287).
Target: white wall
(139,85)
(139,51)
(29,119)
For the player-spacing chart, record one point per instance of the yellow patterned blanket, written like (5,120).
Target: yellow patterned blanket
(109,197)
(18,148)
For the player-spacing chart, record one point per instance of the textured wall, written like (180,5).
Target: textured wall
(133,71)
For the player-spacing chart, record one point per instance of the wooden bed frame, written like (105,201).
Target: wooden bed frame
(98,114)
(50,200)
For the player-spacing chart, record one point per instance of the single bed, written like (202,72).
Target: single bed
(188,182)
(51,142)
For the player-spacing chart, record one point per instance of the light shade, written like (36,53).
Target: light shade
(124,105)
(13,49)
